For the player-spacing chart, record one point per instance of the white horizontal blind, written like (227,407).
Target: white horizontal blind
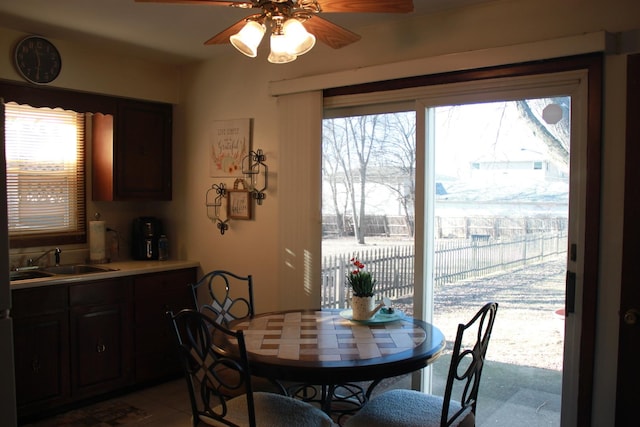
(45,172)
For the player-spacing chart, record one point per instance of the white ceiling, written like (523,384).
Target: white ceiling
(174,32)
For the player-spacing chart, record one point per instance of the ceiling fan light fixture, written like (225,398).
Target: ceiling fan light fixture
(280,50)
(299,40)
(248,38)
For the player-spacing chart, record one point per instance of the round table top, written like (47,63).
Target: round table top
(325,347)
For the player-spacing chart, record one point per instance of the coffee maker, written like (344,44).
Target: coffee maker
(144,238)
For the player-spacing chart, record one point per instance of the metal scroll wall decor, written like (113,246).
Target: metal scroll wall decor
(224,204)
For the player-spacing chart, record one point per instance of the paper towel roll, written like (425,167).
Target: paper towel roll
(97,238)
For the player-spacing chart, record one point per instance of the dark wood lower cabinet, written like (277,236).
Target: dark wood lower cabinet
(41,348)
(101,358)
(156,354)
(79,341)
(42,361)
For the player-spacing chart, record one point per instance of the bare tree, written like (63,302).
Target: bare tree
(365,132)
(349,144)
(381,149)
(333,146)
(399,160)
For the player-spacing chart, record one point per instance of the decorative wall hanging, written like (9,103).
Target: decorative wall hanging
(230,142)
(256,170)
(239,201)
(213,201)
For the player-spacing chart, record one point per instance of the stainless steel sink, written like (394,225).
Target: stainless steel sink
(28,274)
(25,273)
(75,269)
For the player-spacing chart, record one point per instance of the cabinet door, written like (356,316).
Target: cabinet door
(41,362)
(99,361)
(41,348)
(143,151)
(100,337)
(155,347)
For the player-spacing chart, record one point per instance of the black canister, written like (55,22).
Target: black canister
(144,238)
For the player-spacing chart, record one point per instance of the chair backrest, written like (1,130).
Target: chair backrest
(229,296)
(467,361)
(215,365)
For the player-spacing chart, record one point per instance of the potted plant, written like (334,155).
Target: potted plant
(362,286)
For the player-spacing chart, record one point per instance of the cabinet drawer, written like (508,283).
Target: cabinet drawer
(101,292)
(39,301)
(160,283)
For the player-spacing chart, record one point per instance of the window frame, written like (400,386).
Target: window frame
(51,97)
(75,233)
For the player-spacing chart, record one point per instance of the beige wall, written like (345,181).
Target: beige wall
(234,86)
(85,67)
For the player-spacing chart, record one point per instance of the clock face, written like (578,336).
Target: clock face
(38,60)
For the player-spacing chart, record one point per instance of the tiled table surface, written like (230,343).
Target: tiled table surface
(327,336)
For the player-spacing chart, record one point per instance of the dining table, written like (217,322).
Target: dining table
(327,349)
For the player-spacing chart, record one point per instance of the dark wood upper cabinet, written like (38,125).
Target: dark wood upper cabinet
(131,152)
(131,147)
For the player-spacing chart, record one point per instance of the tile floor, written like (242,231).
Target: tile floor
(167,404)
(530,401)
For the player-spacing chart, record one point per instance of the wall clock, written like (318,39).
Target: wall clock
(37,60)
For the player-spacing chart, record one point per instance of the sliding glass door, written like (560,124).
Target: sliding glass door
(499,195)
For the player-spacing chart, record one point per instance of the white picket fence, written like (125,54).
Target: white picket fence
(454,260)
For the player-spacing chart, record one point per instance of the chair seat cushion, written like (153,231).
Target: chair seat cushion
(274,410)
(407,408)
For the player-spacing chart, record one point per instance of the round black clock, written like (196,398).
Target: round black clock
(38,60)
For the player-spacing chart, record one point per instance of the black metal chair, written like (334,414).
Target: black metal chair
(206,347)
(229,296)
(410,408)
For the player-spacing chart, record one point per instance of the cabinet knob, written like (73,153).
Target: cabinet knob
(631,316)
(101,348)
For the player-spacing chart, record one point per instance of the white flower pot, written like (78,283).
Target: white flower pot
(363,308)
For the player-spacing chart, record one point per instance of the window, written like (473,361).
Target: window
(45,175)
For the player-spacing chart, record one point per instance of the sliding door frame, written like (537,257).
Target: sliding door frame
(593,65)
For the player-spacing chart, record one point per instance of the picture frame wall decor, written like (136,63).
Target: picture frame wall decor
(229,143)
(239,201)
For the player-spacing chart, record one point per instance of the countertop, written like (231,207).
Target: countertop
(117,269)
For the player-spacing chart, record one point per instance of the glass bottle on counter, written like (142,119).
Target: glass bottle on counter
(163,248)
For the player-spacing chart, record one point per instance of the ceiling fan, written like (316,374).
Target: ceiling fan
(294,24)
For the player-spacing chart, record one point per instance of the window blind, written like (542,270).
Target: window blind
(45,175)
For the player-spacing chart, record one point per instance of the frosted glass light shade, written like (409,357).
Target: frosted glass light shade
(299,40)
(248,38)
(280,53)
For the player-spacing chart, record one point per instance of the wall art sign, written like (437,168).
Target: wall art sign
(230,142)
(239,201)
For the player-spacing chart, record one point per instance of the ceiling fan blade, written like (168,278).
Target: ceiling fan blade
(374,6)
(242,4)
(223,36)
(329,33)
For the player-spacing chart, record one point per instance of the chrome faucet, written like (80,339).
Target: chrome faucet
(31,262)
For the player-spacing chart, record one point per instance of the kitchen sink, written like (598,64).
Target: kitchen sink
(28,274)
(25,273)
(75,269)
